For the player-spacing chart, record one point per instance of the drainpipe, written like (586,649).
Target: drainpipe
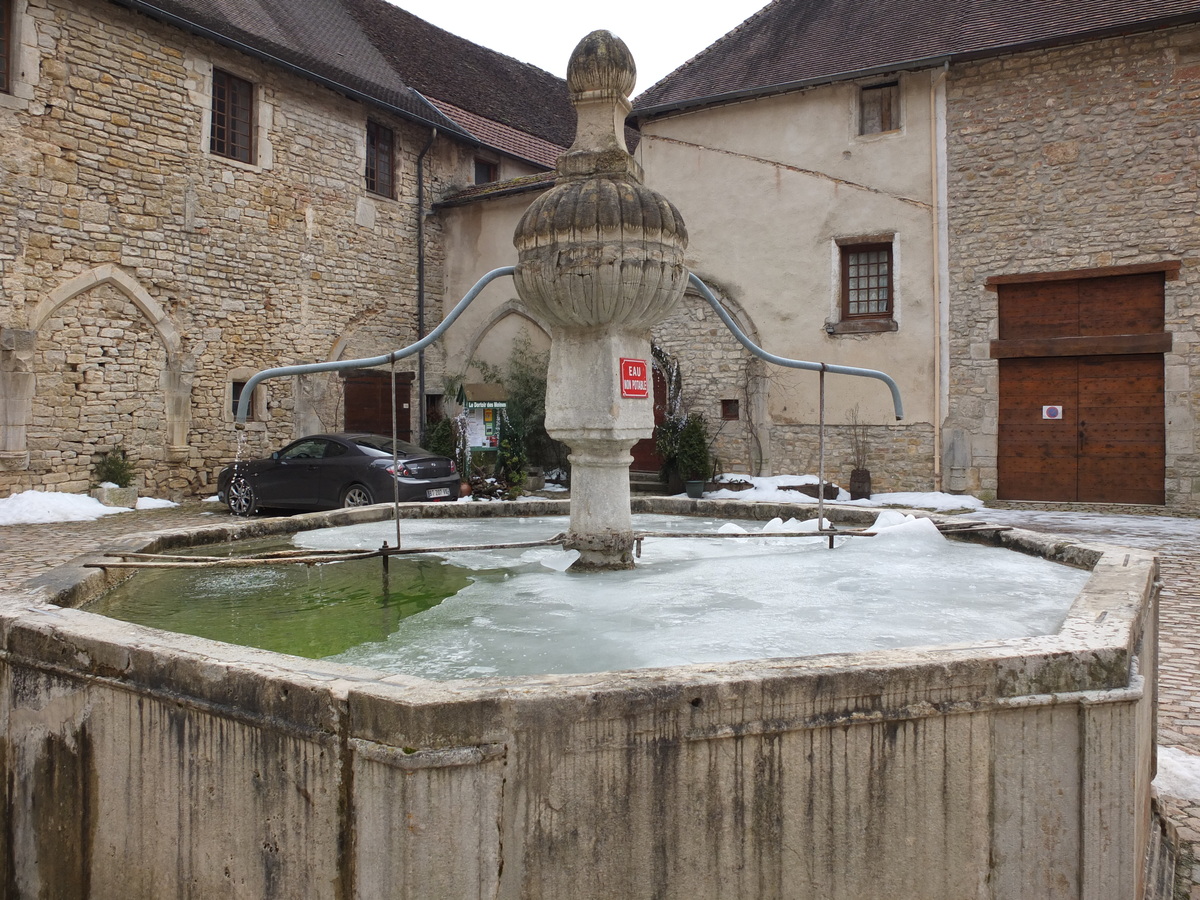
(421,284)
(941,264)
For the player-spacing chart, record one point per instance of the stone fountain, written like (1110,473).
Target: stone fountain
(143,764)
(600,261)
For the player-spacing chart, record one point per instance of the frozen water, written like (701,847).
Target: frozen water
(701,600)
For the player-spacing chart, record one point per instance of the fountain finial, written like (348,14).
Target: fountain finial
(600,76)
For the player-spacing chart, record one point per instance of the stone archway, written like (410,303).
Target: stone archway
(513,309)
(714,367)
(88,342)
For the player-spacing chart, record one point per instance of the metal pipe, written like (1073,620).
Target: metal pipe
(421,412)
(370,362)
(758,351)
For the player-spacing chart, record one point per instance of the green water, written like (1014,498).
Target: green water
(311,611)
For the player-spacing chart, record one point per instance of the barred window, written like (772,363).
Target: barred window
(879,108)
(232,117)
(867,281)
(380,141)
(6,44)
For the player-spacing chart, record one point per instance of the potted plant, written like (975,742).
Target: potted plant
(860,475)
(114,480)
(682,442)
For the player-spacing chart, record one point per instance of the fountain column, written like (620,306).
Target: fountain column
(600,259)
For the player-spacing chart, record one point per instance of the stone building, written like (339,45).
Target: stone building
(191,192)
(1025,177)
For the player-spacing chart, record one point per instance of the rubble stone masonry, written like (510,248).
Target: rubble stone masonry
(1080,157)
(140,274)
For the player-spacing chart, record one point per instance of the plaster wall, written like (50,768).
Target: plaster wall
(135,264)
(479,238)
(142,764)
(1078,158)
(768,188)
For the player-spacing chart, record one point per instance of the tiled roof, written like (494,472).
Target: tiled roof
(385,55)
(791,43)
(502,137)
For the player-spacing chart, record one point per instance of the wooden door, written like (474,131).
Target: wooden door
(368,398)
(645,457)
(1106,447)
(1079,344)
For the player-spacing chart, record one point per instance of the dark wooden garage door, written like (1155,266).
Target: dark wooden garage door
(369,403)
(1080,346)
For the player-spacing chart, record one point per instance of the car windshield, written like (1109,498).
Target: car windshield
(375,445)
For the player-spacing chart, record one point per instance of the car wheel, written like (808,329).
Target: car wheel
(240,498)
(357,495)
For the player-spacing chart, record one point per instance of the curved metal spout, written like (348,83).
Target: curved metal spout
(369,362)
(703,289)
(758,351)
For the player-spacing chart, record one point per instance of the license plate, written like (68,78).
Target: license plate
(437,492)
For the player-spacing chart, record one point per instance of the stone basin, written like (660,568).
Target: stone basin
(145,764)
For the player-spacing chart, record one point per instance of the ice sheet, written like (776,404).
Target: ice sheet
(706,600)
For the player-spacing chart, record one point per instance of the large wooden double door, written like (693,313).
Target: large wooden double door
(1081,395)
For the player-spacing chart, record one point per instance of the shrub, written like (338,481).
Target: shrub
(114,468)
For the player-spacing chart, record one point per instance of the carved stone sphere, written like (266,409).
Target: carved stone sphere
(601,251)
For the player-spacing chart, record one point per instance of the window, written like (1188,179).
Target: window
(236,389)
(729,410)
(379,159)
(879,108)
(486,171)
(232,117)
(6,44)
(867,281)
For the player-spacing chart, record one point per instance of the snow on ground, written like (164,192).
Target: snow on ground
(41,507)
(771,489)
(1178,774)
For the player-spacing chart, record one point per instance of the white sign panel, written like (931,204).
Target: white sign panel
(1052,412)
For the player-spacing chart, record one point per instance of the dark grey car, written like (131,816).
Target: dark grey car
(327,471)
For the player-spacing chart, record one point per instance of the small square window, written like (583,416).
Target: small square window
(729,410)
(867,281)
(6,44)
(486,171)
(232,117)
(380,141)
(879,108)
(236,389)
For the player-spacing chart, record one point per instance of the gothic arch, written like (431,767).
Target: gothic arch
(506,309)
(176,378)
(126,284)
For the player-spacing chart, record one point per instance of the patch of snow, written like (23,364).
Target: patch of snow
(151,503)
(41,507)
(772,489)
(1178,774)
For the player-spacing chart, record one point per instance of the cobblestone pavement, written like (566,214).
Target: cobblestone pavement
(26,550)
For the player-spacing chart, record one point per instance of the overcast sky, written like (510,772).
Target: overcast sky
(662,34)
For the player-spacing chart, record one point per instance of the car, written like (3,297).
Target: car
(329,471)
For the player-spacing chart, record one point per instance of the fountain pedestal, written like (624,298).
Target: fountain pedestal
(600,260)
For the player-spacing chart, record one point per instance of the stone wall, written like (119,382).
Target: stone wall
(713,366)
(131,257)
(1074,158)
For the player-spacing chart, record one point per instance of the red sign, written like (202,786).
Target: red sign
(635,378)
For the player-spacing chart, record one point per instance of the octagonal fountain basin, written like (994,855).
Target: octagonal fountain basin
(144,763)
(499,611)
